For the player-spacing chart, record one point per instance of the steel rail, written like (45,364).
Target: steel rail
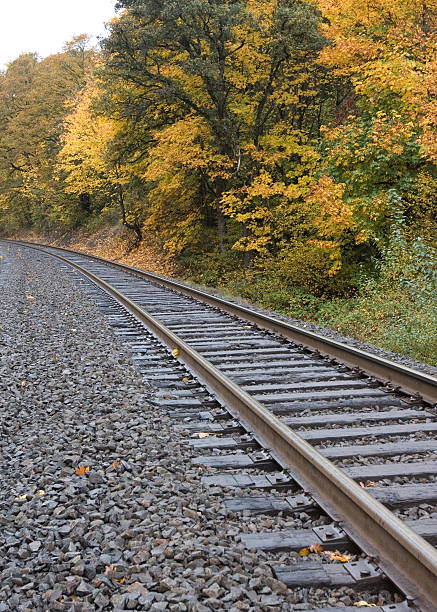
(408,379)
(406,558)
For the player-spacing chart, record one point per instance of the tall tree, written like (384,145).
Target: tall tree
(380,158)
(92,162)
(241,68)
(33,98)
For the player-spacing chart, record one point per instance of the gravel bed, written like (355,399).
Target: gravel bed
(340,410)
(100,508)
(401,480)
(424,511)
(359,461)
(369,424)
(364,441)
(4,264)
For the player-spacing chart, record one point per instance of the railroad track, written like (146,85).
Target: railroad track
(362,447)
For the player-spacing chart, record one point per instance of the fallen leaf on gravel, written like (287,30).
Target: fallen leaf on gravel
(246,326)
(337,556)
(80,471)
(30,297)
(316,548)
(41,492)
(370,484)
(24,496)
(203,435)
(185,379)
(304,552)
(109,568)
(175,352)
(23,383)
(364,604)
(116,463)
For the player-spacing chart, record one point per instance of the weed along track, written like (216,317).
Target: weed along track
(322,458)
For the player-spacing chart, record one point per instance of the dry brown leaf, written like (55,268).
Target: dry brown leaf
(41,492)
(370,484)
(175,352)
(116,463)
(203,435)
(364,604)
(81,470)
(304,552)
(185,379)
(338,556)
(30,297)
(316,548)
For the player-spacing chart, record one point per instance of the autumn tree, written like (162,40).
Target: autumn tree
(244,74)
(33,96)
(91,161)
(380,156)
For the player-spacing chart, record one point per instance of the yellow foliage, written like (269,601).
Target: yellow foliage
(388,46)
(87,136)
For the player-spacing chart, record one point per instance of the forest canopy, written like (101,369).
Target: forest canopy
(272,136)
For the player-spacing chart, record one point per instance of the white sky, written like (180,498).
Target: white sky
(43,26)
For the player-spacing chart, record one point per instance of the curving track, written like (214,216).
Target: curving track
(329,426)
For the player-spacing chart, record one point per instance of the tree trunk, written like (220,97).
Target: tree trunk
(85,202)
(221,219)
(247,259)
(248,255)
(135,226)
